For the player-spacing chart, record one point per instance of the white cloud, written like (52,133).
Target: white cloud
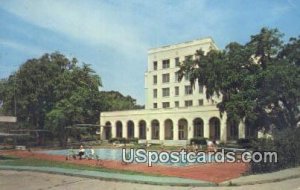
(97,24)
(21,47)
(279,10)
(127,27)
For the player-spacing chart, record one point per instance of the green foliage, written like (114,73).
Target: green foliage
(124,140)
(55,93)
(287,145)
(47,83)
(199,140)
(246,142)
(258,82)
(134,140)
(113,140)
(116,101)
(262,145)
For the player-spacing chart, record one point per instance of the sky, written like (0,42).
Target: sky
(113,36)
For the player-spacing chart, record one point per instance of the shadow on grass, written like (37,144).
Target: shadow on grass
(5,157)
(14,161)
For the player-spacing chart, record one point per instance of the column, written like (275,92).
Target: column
(148,130)
(175,130)
(206,129)
(190,130)
(223,129)
(136,129)
(101,132)
(100,128)
(161,130)
(124,130)
(242,129)
(113,130)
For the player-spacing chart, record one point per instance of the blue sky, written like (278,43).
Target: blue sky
(114,36)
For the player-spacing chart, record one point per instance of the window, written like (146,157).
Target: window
(165,92)
(188,103)
(201,102)
(176,90)
(166,78)
(166,104)
(154,105)
(188,90)
(155,65)
(154,93)
(200,89)
(154,79)
(166,64)
(176,104)
(177,63)
(188,58)
(176,76)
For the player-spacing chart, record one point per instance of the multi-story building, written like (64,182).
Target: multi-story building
(174,110)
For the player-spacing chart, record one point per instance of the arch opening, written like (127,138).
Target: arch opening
(182,129)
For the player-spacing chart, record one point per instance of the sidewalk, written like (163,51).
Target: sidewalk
(264,178)
(160,180)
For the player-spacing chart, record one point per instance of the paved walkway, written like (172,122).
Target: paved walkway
(265,178)
(43,181)
(161,180)
(113,176)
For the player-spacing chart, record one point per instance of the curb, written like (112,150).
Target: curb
(255,182)
(41,170)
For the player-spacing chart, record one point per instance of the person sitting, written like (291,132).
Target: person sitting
(195,147)
(81,152)
(91,153)
(211,146)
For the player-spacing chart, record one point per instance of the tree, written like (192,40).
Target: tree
(55,93)
(52,91)
(114,101)
(258,82)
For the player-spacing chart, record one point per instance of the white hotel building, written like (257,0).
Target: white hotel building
(174,110)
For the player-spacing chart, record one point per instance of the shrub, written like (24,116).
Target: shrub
(262,145)
(112,140)
(9,140)
(118,139)
(245,142)
(199,141)
(287,145)
(134,140)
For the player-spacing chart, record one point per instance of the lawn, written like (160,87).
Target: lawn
(15,161)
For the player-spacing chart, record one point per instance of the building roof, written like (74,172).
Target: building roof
(201,41)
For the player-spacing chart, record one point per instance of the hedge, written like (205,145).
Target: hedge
(199,140)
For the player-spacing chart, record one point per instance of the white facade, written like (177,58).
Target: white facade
(174,111)
(170,54)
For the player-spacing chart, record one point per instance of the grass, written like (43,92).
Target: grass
(5,157)
(14,161)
